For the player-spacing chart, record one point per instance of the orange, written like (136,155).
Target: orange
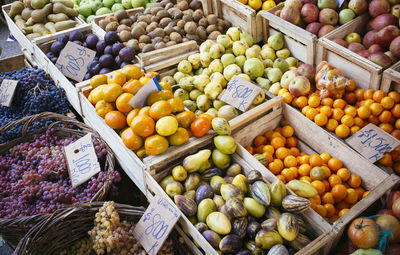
(260,140)
(152,75)
(335,164)
(376,109)
(144,80)
(327,101)
(321,119)
(132,86)
(315,160)
(351,197)
(334,180)
(111,92)
(155,144)
(373,119)
(385,116)
(268,134)
(360,191)
(185,118)
(343,211)
(143,125)
(122,102)
(350,98)
(305,109)
(332,124)
(288,174)
(160,109)
(98,80)
(132,115)
(200,126)
(282,152)
(291,142)
(321,210)
(367,102)
(208,116)
(304,159)
(386,160)
(326,110)
(278,142)
(290,161)
(131,140)
(165,85)
(328,198)
(386,127)
(347,120)
(102,108)
(304,170)
(176,105)
(306,178)
(359,122)
(364,112)
(317,173)
(395,95)
(319,186)
(339,103)
(314,101)
(350,110)
(115,119)
(158,96)
(337,113)
(181,136)
(368,94)
(343,173)
(268,156)
(397,124)
(281,177)
(275,166)
(249,149)
(277,133)
(315,200)
(287,97)
(295,151)
(132,72)
(259,149)
(116,77)
(354,129)
(255,4)
(359,94)
(354,181)
(325,157)
(144,111)
(287,131)
(311,113)
(387,102)
(378,95)
(330,210)
(327,171)
(396,133)
(342,131)
(301,101)
(268,148)
(396,111)
(339,192)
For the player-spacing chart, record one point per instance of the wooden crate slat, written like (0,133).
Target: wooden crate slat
(391,79)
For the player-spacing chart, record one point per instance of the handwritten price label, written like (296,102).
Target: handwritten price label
(7,90)
(372,142)
(240,93)
(155,225)
(82,160)
(139,100)
(73,61)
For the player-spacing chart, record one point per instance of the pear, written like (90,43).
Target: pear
(263,82)
(186,83)
(206,72)
(205,46)
(181,94)
(185,66)
(253,52)
(219,78)
(216,51)
(218,104)
(190,105)
(268,63)
(228,59)
(293,62)
(203,103)
(212,90)
(247,38)
(193,162)
(201,81)
(240,61)
(194,94)
(233,33)
(194,59)
(274,89)
(268,53)
(178,76)
(244,76)
(225,41)
(283,53)
(274,75)
(205,59)
(231,71)
(239,48)
(216,66)
(281,64)
(276,41)
(254,68)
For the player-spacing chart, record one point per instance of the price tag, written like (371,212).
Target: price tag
(372,142)
(7,90)
(82,160)
(140,98)
(73,61)
(240,93)
(155,225)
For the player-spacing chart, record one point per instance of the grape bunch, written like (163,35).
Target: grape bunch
(34,177)
(35,93)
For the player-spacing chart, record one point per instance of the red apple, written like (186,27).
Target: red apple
(381,59)
(382,21)
(299,86)
(309,2)
(307,71)
(314,27)
(369,38)
(291,14)
(340,42)
(364,53)
(358,6)
(309,13)
(325,30)
(393,196)
(374,48)
(378,7)
(386,211)
(356,47)
(328,17)
(391,56)
(395,47)
(386,35)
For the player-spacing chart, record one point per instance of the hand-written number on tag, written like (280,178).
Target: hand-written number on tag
(379,144)
(240,91)
(82,165)
(157,228)
(74,64)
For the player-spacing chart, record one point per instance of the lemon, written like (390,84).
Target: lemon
(268,5)
(166,126)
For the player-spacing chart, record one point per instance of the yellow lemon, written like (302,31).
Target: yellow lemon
(166,126)
(255,4)
(268,5)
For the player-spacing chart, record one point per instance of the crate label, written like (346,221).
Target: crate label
(73,61)
(239,93)
(372,142)
(82,160)
(155,225)
(140,98)
(7,90)
(340,2)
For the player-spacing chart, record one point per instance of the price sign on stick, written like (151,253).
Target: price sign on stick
(240,93)
(7,89)
(155,225)
(82,160)
(73,61)
(139,100)
(372,142)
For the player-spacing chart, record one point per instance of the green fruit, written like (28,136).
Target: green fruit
(90,19)
(260,192)
(302,188)
(165,181)
(226,144)
(127,4)
(192,181)
(117,7)
(216,183)
(281,64)
(219,223)
(96,4)
(288,227)
(174,188)
(102,11)
(108,3)
(254,68)
(276,41)
(241,182)
(205,207)
(254,208)
(221,126)
(138,3)
(268,238)
(278,192)
(189,104)
(85,10)
(229,190)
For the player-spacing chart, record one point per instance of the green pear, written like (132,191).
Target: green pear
(276,41)
(274,75)
(246,38)
(254,68)
(194,94)
(193,162)
(228,59)
(281,64)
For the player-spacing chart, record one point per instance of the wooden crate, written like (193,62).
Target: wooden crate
(301,43)
(14,63)
(391,78)
(21,38)
(318,229)
(238,14)
(364,72)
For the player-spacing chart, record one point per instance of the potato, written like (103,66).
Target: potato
(168,30)
(121,14)
(160,45)
(212,19)
(125,36)
(175,36)
(137,31)
(162,14)
(103,23)
(175,13)
(183,5)
(151,27)
(157,40)
(201,31)
(197,15)
(195,4)
(127,22)
(112,26)
(187,17)
(145,18)
(169,6)
(164,22)
(158,32)
(181,23)
(211,28)
(134,44)
(122,28)
(154,10)
(144,39)
(203,22)
(148,47)
(190,27)
(110,19)
(214,35)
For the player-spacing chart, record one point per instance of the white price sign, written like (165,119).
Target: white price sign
(7,90)
(139,100)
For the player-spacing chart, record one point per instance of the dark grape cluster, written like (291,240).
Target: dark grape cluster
(34,177)
(35,93)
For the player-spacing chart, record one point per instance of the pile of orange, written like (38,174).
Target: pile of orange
(338,189)
(150,130)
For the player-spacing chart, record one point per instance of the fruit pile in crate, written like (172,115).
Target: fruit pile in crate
(322,179)
(380,40)
(203,76)
(322,16)
(38,18)
(260,5)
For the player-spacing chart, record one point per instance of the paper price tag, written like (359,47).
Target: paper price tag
(82,160)
(155,225)
(139,100)
(240,93)
(7,90)
(73,61)
(372,142)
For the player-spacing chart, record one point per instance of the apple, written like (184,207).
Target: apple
(358,6)
(325,30)
(393,196)
(309,13)
(345,16)
(307,71)
(364,53)
(386,35)
(395,47)
(378,7)
(353,37)
(396,10)
(314,27)
(391,56)
(291,14)
(332,4)
(299,86)
(287,77)
(309,2)
(386,211)
(374,48)
(369,38)
(356,47)
(340,42)
(328,17)
(381,59)
(382,21)
(295,3)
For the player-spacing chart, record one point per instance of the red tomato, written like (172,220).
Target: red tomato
(200,126)
(390,223)
(393,196)
(364,233)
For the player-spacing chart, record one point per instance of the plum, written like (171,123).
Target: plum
(117,47)
(50,55)
(127,54)
(107,60)
(87,76)
(111,38)
(76,36)
(100,46)
(124,64)
(108,50)
(57,47)
(54,59)
(78,42)
(63,39)
(118,61)
(91,41)
(105,70)
(94,67)
(84,44)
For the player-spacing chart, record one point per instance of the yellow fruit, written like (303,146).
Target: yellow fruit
(268,5)
(111,92)
(122,102)
(97,93)
(255,4)
(179,173)
(103,107)
(181,136)
(242,1)
(98,80)
(166,126)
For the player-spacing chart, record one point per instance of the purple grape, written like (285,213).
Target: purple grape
(92,40)
(107,60)
(111,37)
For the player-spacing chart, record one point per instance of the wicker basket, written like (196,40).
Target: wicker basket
(62,229)
(13,230)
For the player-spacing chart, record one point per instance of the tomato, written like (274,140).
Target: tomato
(364,233)
(200,126)
(393,196)
(390,223)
